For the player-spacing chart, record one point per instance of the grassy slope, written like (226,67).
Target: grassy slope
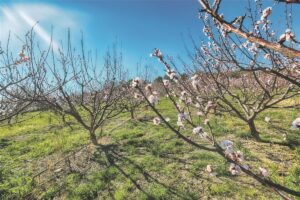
(150,162)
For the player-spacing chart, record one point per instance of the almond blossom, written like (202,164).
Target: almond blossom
(234,169)
(209,169)
(135,82)
(153,99)
(195,81)
(263,172)
(197,130)
(166,82)
(156,121)
(296,123)
(267,119)
(266,13)
(226,144)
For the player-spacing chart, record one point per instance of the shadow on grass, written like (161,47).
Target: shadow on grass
(4,143)
(120,162)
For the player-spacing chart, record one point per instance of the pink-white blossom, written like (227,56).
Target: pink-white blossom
(263,172)
(235,169)
(156,121)
(197,130)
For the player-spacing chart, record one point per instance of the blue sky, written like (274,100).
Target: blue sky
(137,25)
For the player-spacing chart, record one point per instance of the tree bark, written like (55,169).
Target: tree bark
(253,130)
(93,137)
(132,114)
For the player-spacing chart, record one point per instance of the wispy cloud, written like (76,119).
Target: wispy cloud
(20,18)
(38,29)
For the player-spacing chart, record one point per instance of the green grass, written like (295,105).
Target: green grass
(148,161)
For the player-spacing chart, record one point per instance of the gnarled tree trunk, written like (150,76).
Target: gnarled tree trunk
(253,130)
(93,137)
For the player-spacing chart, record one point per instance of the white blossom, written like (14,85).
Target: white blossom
(156,121)
(234,169)
(263,171)
(135,82)
(226,144)
(266,13)
(267,119)
(148,87)
(296,123)
(206,121)
(195,81)
(200,113)
(197,130)
(153,99)
(267,56)
(209,169)
(166,82)
(239,156)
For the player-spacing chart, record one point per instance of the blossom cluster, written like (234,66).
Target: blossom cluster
(22,56)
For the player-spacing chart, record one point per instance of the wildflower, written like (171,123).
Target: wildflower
(296,123)
(156,121)
(135,82)
(197,130)
(167,119)
(263,171)
(234,169)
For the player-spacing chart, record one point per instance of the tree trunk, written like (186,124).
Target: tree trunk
(253,130)
(93,137)
(132,114)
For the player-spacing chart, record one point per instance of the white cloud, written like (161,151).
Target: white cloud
(18,19)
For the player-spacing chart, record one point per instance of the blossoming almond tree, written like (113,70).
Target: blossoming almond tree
(74,84)
(13,72)
(132,100)
(257,33)
(243,76)
(205,131)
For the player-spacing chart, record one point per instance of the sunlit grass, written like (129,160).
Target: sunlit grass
(162,165)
